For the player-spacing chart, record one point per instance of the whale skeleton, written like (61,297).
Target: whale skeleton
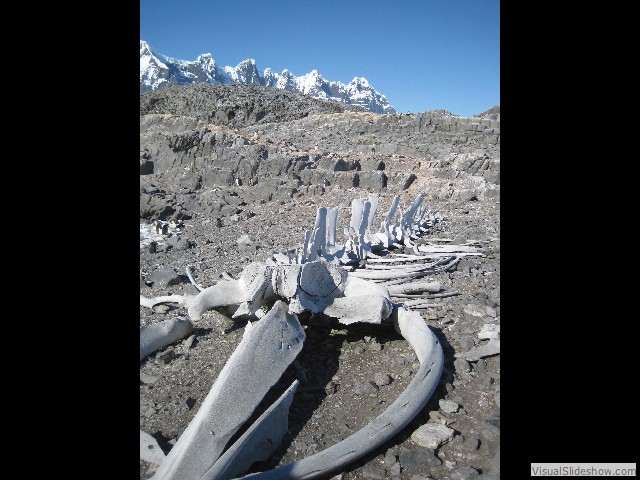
(360,281)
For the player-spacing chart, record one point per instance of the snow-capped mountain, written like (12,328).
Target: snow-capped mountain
(158,71)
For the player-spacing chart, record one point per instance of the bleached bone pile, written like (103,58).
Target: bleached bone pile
(359,281)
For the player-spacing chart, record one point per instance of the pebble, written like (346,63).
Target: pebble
(471,444)
(149,379)
(447,406)
(395,470)
(438,417)
(161,308)
(166,356)
(164,278)
(420,477)
(491,311)
(432,435)
(189,342)
(375,346)
(373,472)
(474,310)
(467,343)
(366,388)
(382,378)
(481,366)
(390,458)
(461,365)
(464,473)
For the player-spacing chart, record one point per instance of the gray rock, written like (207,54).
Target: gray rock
(461,365)
(421,477)
(493,420)
(464,473)
(471,444)
(432,435)
(474,310)
(164,278)
(149,379)
(467,342)
(373,472)
(161,308)
(382,378)
(438,417)
(447,406)
(418,458)
(390,458)
(493,470)
(366,388)
(167,355)
(187,403)
(189,342)
(481,366)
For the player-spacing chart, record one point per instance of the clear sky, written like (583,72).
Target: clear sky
(421,54)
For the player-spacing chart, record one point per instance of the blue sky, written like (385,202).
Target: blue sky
(421,54)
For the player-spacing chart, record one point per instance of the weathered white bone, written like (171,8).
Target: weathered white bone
(319,239)
(159,335)
(431,287)
(257,285)
(225,293)
(449,249)
(151,302)
(258,443)
(192,280)
(332,224)
(267,347)
(313,284)
(408,404)
(318,285)
(363,301)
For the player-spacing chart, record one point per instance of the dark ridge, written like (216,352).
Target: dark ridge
(237,105)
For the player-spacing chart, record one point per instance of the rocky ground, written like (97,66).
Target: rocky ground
(235,204)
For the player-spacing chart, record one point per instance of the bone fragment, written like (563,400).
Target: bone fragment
(191,279)
(363,301)
(225,293)
(258,443)
(158,335)
(319,284)
(256,283)
(332,223)
(431,287)
(150,302)
(267,347)
(386,425)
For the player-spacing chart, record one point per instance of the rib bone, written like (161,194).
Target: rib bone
(427,347)
(266,349)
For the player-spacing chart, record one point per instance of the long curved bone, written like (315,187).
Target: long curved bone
(258,443)
(414,398)
(158,335)
(266,349)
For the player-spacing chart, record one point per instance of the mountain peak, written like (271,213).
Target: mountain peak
(158,71)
